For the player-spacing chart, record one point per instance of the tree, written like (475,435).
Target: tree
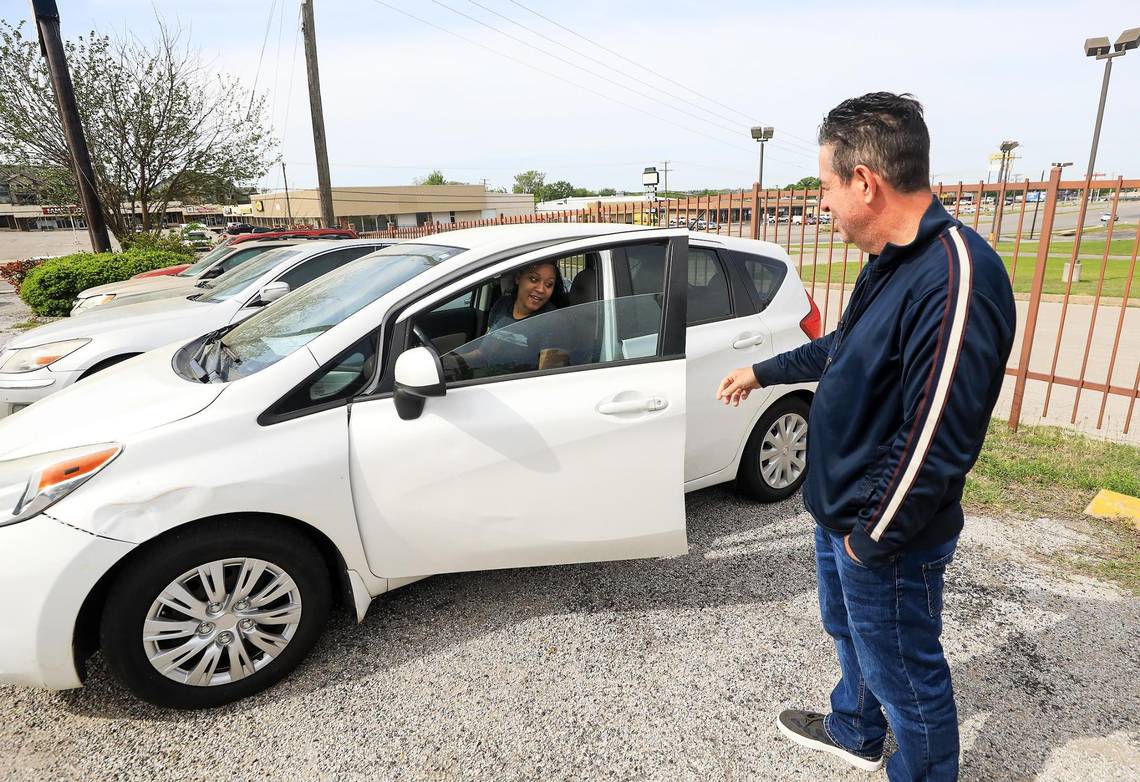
(161,125)
(530,182)
(434,178)
(607,191)
(556,191)
(807,183)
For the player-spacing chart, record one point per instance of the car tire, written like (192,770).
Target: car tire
(237,560)
(766,473)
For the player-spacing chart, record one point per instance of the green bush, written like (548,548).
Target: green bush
(150,241)
(50,288)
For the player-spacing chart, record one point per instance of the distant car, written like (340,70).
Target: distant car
(1106,217)
(783,218)
(797,219)
(199,241)
(213,264)
(825,218)
(700,224)
(292,233)
(47,359)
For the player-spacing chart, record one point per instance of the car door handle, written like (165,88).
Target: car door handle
(647,405)
(748,342)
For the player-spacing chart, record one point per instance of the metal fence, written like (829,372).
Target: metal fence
(1078,343)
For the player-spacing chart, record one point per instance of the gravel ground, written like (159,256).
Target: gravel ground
(658,669)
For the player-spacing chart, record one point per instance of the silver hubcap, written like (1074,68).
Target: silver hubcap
(222,621)
(782,452)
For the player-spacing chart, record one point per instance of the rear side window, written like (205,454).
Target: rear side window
(322,265)
(763,277)
(708,288)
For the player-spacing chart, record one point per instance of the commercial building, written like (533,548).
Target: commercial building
(383,207)
(48,217)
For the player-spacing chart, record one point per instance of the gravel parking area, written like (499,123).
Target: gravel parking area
(659,669)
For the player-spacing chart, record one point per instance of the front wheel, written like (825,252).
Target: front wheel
(774,463)
(215,612)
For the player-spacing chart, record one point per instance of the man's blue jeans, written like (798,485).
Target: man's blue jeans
(886,623)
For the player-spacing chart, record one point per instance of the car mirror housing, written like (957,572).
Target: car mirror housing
(418,375)
(272,292)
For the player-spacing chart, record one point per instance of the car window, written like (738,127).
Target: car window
(764,274)
(708,288)
(577,327)
(275,332)
(206,261)
(313,268)
(238,257)
(343,378)
(234,282)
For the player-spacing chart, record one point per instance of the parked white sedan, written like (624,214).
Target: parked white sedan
(217,262)
(193,512)
(49,358)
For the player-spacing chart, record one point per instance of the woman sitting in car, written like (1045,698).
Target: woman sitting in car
(511,344)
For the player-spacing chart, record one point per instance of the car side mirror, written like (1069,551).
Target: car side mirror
(272,292)
(418,375)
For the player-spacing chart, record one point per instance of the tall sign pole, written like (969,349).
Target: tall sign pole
(319,144)
(51,44)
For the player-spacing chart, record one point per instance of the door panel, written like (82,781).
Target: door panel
(715,430)
(523,472)
(538,466)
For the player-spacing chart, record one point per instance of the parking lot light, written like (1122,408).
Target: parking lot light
(762,134)
(1101,50)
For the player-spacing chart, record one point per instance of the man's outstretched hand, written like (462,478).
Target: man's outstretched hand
(736,387)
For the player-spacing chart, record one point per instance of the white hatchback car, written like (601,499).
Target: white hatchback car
(193,512)
(49,358)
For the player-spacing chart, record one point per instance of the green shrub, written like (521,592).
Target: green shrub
(150,241)
(50,288)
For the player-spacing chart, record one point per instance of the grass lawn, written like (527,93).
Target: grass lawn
(1089,247)
(1046,471)
(1115,276)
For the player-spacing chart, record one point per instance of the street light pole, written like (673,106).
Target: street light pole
(762,134)
(1099,48)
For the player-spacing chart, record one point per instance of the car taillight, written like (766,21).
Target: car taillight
(812,325)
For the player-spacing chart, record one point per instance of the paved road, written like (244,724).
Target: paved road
(670,669)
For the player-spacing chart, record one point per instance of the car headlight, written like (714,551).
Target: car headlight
(91,301)
(31,359)
(31,485)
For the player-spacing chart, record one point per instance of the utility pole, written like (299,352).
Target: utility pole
(51,45)
(288,206)
(665,171)
(1036,205)
(319,144)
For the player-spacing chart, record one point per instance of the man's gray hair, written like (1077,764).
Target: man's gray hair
(884,132)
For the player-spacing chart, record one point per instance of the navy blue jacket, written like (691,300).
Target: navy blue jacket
(907,382)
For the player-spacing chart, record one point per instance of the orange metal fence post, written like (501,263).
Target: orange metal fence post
(754,228)
(1034,304)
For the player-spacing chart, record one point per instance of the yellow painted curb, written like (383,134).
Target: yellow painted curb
(1111,505)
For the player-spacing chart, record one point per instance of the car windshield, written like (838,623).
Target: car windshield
(206,261)
(234,282)
(292,323)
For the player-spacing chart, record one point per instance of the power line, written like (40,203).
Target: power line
(557,76)
(578,66)
(749,117)
(581,53)
(264,41)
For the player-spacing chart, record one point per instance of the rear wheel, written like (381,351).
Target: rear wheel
(215,612)
(774,463)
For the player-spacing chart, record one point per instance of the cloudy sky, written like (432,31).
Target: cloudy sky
(592,91)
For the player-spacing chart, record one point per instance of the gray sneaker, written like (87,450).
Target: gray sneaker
(806,729)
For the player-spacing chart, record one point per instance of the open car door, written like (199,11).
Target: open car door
(574,456)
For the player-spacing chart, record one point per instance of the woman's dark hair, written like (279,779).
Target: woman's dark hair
(884,132)
(559,297)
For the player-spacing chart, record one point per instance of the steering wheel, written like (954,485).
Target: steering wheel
(421,336)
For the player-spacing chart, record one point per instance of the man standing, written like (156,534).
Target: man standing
(907,382)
